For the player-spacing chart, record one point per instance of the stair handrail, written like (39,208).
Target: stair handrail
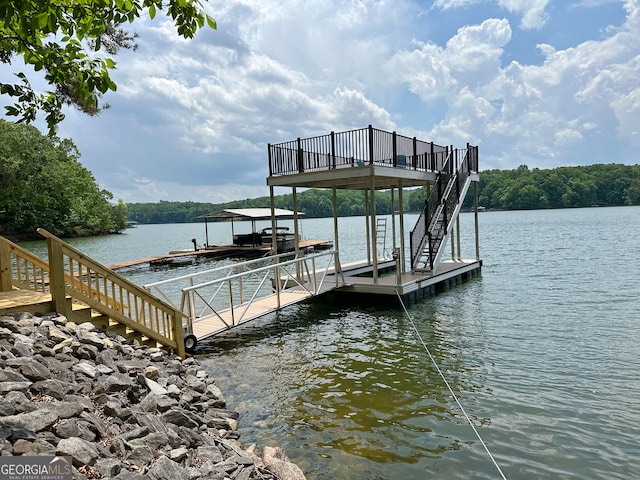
(75,274)
(21,269)
(434,220)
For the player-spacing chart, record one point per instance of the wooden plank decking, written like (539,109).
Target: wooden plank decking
(16,301)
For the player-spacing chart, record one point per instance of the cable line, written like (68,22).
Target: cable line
(455,397)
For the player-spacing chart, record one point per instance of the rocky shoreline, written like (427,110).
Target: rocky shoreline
(120,411)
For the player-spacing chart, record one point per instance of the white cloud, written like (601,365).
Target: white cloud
(191,119)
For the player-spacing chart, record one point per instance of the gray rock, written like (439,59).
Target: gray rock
(114,383)
(108,467)
(178,417)
(140,456)
(154,387)
(178,454)
(73,427)
(86,369)
(155,441)
(166,469)
(137,432)
(58,335)
(35,421)
(106,358)
(6,387)
(81,451)
(54,388)
(149,403)
(90,338)
(210,453)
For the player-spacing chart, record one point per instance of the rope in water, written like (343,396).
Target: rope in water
(455,397)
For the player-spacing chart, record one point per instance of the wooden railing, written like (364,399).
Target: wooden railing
(21,269)
(69,273)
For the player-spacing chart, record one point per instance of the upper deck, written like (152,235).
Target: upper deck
(349,160)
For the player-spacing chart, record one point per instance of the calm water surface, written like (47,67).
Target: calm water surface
(543,350)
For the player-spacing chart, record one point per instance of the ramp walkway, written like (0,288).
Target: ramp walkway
(220,299)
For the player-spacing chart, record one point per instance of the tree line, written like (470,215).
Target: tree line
(43,184)
(520,188)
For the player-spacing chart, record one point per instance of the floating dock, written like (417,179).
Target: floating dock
(223,251)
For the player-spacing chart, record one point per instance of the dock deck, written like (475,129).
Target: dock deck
(222,251)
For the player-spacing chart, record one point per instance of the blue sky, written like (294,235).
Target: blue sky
(536,82)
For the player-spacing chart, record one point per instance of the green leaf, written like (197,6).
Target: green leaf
(41,20)
(211,22)
(152,11)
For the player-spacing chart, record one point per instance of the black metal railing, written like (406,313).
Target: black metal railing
(431,228)
(365,146)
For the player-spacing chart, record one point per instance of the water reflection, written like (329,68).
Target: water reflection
(352,383)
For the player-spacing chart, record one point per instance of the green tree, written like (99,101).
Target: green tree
(44,185)
(72,44)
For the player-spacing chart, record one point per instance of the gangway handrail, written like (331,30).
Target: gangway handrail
(214,270)
(257,270)
(301,275)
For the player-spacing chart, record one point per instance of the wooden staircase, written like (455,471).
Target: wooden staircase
(83,290)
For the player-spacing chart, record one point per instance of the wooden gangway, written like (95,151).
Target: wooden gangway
(222,298)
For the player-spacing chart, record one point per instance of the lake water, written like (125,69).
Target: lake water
(543,350)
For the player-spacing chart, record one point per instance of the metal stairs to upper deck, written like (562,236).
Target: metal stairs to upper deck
(436,219)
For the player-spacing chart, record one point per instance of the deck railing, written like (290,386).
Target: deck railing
(78,276)
(366,146)
(21,269)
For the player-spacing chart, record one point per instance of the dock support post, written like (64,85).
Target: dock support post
(393,219)
(274,244)
(475,214)
(401,211)
(373,226)
(336,245)
(296,239)
(367,226)
(458,235)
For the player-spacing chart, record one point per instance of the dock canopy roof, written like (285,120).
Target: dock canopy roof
(249,214)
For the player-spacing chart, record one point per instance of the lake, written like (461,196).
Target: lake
(543,350)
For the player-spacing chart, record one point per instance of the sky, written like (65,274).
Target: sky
(537,82)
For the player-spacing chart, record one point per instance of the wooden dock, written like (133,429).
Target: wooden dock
(223,251)
(357,279)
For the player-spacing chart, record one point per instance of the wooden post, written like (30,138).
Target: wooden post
(57,284)
(178,333)
(5,267)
